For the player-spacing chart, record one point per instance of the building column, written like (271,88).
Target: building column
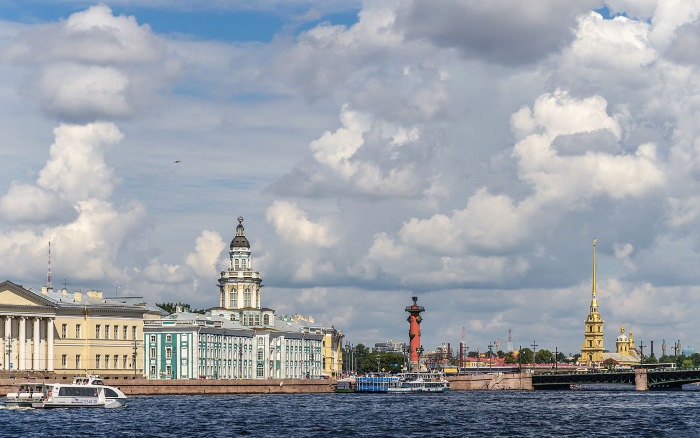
(22,342)
(49,344)
(8,342)
(37,331)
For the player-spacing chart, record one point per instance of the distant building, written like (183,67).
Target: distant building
(688,351)
(390,346)
(626,352)
(332,342)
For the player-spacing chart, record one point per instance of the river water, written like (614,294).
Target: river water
(453,414)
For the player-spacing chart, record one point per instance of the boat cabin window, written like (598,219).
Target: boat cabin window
(109,393)
(68,391)
(97,382)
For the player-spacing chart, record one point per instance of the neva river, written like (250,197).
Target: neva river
(454,414)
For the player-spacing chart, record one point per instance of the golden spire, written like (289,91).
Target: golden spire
(595,292)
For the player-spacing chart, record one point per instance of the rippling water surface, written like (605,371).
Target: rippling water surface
(457,413)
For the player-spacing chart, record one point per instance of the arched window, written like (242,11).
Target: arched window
(247,297)
(266,320)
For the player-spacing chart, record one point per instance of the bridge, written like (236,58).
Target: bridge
(642,379)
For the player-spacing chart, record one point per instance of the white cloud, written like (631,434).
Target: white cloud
(291,224)
(94,65)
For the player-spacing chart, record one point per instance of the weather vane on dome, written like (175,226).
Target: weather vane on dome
(240,220)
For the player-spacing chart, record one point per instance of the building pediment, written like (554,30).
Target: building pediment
(12,294)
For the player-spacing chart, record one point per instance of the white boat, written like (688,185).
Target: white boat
(420,382)
(88,391)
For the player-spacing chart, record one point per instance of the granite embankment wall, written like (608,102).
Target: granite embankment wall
(491,382)
(131,386)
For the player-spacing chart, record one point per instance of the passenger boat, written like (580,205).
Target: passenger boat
(420,382)
(404,383)
(87,391)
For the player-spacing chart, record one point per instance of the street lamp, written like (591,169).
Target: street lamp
(534,349)
(378,361)
(490,355)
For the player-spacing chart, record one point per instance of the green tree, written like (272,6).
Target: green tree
(510,358)
(687,363)
(388,362)
(561,357)
(472,354)
(361,352)
(695,357)
(650,360)
(544,356)
(172,307)
(525,356)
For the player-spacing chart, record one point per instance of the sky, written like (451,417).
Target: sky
(461,151)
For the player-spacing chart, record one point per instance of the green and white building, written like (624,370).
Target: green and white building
(237,340)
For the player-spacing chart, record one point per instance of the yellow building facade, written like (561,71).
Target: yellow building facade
(71,333)
(593,345)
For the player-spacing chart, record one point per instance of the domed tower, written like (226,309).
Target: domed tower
(239,286)
(622,343)
(592,348)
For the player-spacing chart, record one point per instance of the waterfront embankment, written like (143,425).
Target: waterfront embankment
(140,386)
(497,381)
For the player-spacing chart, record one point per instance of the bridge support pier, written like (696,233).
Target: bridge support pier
(640,380)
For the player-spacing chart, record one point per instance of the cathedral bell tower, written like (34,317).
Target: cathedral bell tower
(592,348)
(239,286)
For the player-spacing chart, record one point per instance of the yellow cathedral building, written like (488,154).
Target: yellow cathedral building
(593,351)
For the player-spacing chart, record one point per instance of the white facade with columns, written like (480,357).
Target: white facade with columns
(65,333)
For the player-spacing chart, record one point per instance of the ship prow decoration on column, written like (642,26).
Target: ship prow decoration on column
(414,319)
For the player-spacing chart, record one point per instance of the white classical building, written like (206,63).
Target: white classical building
(238,339)
(69,333)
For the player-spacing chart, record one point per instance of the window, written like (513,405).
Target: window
(133,332)
(77,330)
(168,370)
(153,338)
(153,370)
(116,332)
(257,319)
(77,362)
(106,361)
(261,354)
(260,370)
(266,320)
(168,353)
(107,332)
(116,361)
(64,360)
(247,297)
(124,361)
(168,338)
(97,361)
(153,352)
(64,331)
(98,332)
(124,332)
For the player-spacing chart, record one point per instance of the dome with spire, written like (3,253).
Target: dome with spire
(240,240)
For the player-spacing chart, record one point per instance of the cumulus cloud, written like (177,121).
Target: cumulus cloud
(94,65)
(365,157)
(291,223)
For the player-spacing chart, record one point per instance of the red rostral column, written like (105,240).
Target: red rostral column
(414,320)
